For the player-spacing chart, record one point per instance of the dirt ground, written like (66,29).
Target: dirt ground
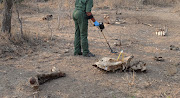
(162,79)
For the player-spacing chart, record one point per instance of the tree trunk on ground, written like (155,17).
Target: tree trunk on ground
(6,23)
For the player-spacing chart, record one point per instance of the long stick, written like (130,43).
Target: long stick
(49,27)
(105,39)
(107,42)
(20,21)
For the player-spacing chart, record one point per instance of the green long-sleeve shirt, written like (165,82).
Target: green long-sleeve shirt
(84,5)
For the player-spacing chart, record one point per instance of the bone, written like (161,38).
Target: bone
(172,47)
(48,17)
(117,43)
(158,58)
(107,19)
(161,32)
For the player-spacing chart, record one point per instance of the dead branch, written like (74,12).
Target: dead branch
(60,6)
(147,24)
(49,27)
(43,78)
(20,21)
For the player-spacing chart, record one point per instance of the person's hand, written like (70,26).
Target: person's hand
(96,23)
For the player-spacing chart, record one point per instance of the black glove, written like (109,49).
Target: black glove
(101,26)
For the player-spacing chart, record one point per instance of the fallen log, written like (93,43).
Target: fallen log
(43,78)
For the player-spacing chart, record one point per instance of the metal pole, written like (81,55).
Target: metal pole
(107,42)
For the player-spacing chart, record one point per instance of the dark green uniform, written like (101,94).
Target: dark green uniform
(81,25)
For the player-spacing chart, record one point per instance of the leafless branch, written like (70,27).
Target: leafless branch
(49,27)
(20,21)
(60,5)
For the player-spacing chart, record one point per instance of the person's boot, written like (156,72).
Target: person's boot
(89,55)
(78,54)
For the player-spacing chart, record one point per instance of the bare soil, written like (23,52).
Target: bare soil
(162,79)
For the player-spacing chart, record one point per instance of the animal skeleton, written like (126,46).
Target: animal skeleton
(111,64)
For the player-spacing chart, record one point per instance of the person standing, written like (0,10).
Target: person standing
(81,15)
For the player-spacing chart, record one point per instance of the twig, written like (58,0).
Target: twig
(38,7)
(60,5)
(147,24)
(133,78)
(49,27)
(20,21)
(69,4)
(132,83)
(178,91)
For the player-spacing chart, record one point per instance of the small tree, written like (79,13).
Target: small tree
(16,3)
(6,23)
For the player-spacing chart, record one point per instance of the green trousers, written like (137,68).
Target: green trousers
(81,32)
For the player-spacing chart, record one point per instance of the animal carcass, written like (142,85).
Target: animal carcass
(111,64)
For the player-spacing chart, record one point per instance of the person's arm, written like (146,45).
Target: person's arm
(89,14)
(89,6)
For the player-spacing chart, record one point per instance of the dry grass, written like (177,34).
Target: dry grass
(3,38)
(133,3)
(159,2)
(31,37)
(17,45)
(5,44)
(176,8)
(113,3)
(28,37)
